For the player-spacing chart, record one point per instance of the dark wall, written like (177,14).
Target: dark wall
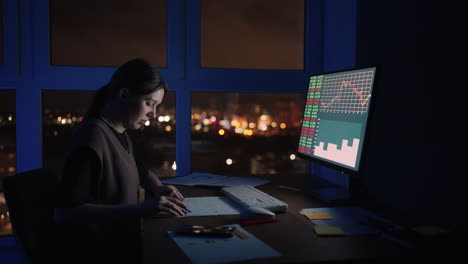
(418,144)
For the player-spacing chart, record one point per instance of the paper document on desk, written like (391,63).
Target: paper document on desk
(210,179)
(233,181)
(215,205)
(195,179)
(240,247)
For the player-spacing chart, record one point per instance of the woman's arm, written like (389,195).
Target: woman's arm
(152,184)
(90,212)
(79,193)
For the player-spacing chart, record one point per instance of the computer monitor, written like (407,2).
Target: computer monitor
(335,118)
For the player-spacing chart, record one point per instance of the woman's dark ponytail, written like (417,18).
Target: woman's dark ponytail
(99,102)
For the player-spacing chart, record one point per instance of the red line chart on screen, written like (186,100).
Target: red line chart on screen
(349,93)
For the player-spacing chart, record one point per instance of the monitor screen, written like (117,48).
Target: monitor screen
(335,117)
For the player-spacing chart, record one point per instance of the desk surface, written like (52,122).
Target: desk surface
(293,235)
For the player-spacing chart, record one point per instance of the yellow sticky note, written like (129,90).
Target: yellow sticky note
(321,230)
(318,216)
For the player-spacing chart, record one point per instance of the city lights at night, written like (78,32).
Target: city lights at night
(7,144)
(7,152)
(232,134)
(229,135)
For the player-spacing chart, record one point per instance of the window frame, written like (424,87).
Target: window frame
(27,68)
(255,79)
(10,68)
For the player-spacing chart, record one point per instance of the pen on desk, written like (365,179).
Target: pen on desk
(253,222)
(186,209)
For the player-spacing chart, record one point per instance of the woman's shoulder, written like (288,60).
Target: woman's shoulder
(92,125)
(89,130)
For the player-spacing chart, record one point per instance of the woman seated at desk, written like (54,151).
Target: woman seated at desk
(98,217)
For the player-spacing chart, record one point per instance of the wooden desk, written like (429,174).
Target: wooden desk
(293,235)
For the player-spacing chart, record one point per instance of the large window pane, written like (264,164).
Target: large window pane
(246,133)
(107,32)
(64,110)
(252,34)
(7,150)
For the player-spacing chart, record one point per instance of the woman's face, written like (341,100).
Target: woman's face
(142,108)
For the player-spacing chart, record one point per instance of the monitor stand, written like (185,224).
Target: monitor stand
(328,191)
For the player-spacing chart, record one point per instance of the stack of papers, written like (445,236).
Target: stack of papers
(209,179)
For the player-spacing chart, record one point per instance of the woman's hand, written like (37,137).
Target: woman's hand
(171,191)
(165,205)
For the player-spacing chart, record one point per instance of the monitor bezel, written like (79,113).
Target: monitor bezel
(364,151)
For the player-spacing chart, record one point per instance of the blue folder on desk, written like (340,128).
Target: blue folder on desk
(204,249)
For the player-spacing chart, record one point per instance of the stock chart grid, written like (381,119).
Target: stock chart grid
(347,93)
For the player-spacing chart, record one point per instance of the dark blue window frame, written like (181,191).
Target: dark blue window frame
(9,69)
(329,45)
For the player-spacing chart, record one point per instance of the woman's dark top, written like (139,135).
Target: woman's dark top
(81,168)
(100,168)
